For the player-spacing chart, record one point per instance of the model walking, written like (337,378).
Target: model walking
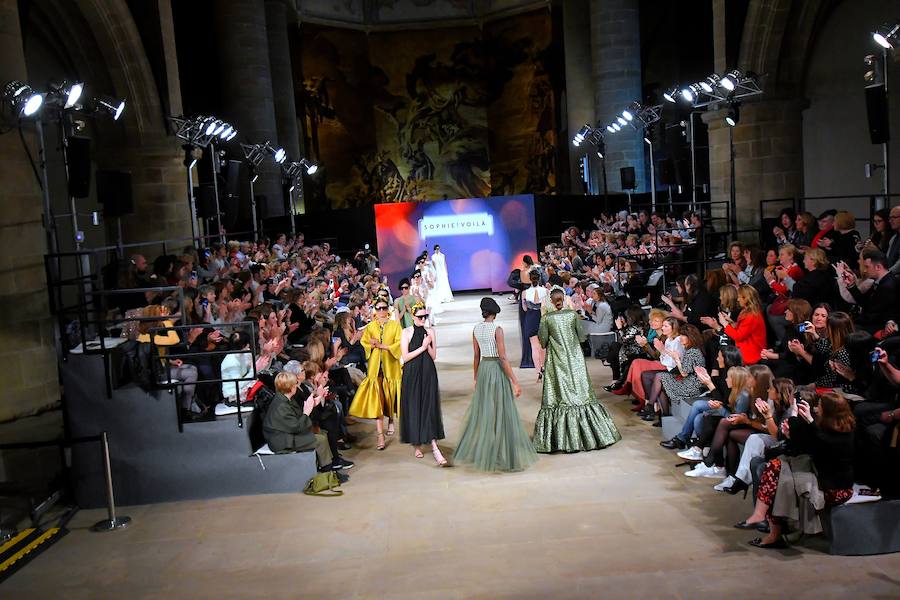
(493,439)
(441,279)
(420,400)
(571,418)
(379,392)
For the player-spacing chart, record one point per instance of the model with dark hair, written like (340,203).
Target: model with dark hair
(493,438)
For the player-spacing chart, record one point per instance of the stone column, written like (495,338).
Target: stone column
(282,77)
(579,86)
(616,54)
(247,86)
(30,382)
(768,164)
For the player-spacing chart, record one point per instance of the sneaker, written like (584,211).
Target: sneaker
(342,463)
(714,473)
(699,470)
(692,453)
(725,483)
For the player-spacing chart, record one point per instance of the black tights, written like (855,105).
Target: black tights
(725,447)
(656,393)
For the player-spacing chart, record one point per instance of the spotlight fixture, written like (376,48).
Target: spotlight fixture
(311,168)
(65,94)
(22,98)
(647,141)
(670,95)
(622,122)
(733,116)
(617,127)
(114,107)
(294,170)
(690,93)
(887,35)
(709,84)
(610,129)
(581,135)
(730,81)
(279,155)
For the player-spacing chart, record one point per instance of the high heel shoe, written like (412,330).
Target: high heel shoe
(380,445)
(737,487)
(439,458)
(622,391)
(390,429)
(419,453)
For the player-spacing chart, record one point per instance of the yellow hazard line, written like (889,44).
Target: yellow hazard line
(8,545)
(32,546)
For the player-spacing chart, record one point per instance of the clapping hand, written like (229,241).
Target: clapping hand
(769,276)
(658,344)
(709,322)
(842,370)
(795,346)
(786,429)
(778,232)
(702,375)
(763,408)
(308,405)
(890,328)
(724,319)
(640,340)
(804,411)
(738,419)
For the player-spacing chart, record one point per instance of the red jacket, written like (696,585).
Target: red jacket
(749,333)
(794,272)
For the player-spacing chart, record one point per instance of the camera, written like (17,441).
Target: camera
(801,327)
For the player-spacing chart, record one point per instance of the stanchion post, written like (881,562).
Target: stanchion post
(113,522)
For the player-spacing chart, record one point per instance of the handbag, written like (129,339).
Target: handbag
(320,483)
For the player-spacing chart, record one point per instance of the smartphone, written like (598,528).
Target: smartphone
(801,327)
(874,356)
(335,340)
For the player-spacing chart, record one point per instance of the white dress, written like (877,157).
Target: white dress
(441,291)
(432,302)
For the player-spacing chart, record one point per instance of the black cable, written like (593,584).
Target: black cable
(30,158)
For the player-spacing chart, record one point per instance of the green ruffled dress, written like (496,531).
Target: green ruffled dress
(571,418)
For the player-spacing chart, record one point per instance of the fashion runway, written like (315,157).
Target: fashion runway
(619,522)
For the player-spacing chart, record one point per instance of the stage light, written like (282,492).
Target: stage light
(65,93)
(887,35)
(110,105)
(670,95)
(211,125)
(689,93)
(610,129)
(647,141)
(581,135)
(311,168)
(279,155)
(220,127)
(709,84)
(627,114)
(231,135)
(617,127)
(23,100)
(733,116)
(730,80)
(622,122)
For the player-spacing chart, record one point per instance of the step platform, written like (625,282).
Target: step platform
(152,461)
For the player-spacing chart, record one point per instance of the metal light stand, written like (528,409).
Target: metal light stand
(214,160)
(49,219)
(253,177)
(652,175)
(192,201)
(885,146)
(113,521)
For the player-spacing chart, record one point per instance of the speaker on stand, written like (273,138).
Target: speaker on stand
(114,193)
(626,176)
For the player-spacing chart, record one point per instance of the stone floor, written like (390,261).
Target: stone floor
(618,523)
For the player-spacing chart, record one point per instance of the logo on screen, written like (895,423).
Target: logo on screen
(450,225)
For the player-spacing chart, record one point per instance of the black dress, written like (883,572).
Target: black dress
(420,400)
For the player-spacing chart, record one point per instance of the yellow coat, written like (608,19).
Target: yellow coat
(372,397)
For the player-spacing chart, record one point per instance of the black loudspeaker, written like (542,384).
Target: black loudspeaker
(232,195)
(877,112)
(666,172)
(78,156)
(627,176)
(114,193)
(205,200)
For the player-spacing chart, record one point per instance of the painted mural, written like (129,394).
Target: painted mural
(430,114)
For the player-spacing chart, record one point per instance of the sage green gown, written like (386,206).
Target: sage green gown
(571,418)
